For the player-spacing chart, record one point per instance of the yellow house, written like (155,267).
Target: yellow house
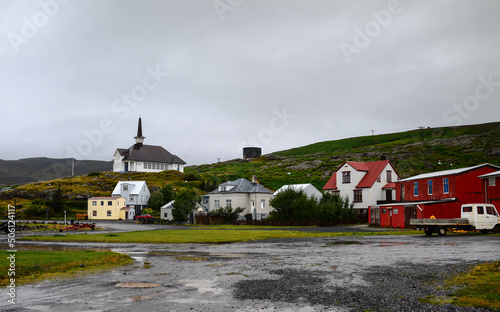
(106,208)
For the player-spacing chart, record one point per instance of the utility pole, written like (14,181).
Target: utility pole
(373,131)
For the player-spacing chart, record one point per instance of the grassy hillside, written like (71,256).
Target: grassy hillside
(411,152)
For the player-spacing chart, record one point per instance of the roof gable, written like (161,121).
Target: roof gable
(374,169)
(135,187)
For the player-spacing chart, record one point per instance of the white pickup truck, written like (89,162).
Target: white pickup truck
(474,217)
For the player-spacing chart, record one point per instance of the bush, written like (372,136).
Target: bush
(228,214)
(35,211)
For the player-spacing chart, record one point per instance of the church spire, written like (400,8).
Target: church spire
(139,139)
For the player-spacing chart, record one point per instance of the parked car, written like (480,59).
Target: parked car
(144,218)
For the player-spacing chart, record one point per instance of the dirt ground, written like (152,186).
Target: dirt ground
(371,273)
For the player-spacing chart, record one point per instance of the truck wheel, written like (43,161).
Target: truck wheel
(442,231)
(496,229)
(428,232)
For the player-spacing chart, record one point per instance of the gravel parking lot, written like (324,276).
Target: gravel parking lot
(374,273)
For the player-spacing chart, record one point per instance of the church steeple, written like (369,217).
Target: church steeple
(139,139)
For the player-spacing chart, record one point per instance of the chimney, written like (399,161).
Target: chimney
(254,179)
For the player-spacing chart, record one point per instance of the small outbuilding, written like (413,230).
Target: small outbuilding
(307,188)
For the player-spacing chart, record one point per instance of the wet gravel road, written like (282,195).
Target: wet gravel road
(376,273)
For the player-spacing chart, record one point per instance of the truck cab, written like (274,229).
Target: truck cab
(483,217)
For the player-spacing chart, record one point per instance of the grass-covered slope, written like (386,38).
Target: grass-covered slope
(411,152)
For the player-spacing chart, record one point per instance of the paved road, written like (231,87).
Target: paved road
(242,276)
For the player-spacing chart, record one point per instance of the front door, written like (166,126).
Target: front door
(126,215)
(410,213)
(126,167)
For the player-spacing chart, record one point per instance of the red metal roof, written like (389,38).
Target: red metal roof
(373,170)
(332,183)
(390,185)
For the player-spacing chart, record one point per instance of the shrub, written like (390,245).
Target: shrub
(227,214)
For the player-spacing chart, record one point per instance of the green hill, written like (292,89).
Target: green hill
(411,152)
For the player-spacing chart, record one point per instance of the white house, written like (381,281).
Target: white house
(145,158)
(251,196)
(136,194)
(307,188)
(365,183)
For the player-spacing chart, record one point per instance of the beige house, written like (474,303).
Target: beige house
(108,208)
(251,196)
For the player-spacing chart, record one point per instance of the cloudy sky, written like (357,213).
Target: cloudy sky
(210,77)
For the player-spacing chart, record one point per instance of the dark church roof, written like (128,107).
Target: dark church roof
(150,153)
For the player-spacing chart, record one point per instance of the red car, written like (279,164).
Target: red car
(143,216)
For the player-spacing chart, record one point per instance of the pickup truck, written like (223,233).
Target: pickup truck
(474,217)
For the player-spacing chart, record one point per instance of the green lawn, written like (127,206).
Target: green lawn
(477,288)
(199,236)
(34,265)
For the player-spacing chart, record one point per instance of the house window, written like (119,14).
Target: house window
(384,210)
(102,202)
(216,203)
(165,215)
(131,198)
(205,200)
(389,176)
(395,211)
(346,177)
(491,181)
(446,186)
(94,213)
(124,187)
(145,166)
(336,192)
(228,203)
(263,203)
(94,203)
(358,196)
(429,187)
(402,191)
(415,188)
(109,213)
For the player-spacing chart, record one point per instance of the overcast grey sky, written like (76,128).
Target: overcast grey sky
(210,77)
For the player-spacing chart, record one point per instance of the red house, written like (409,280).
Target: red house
(491,188)
(439,194)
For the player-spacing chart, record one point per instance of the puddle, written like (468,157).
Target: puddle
(202,286)
(387,244)
(337,243)
(137,285)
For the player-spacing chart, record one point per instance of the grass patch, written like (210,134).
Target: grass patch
(33,265)
(476,288)
(201,236)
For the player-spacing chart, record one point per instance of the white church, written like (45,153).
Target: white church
(145,158)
